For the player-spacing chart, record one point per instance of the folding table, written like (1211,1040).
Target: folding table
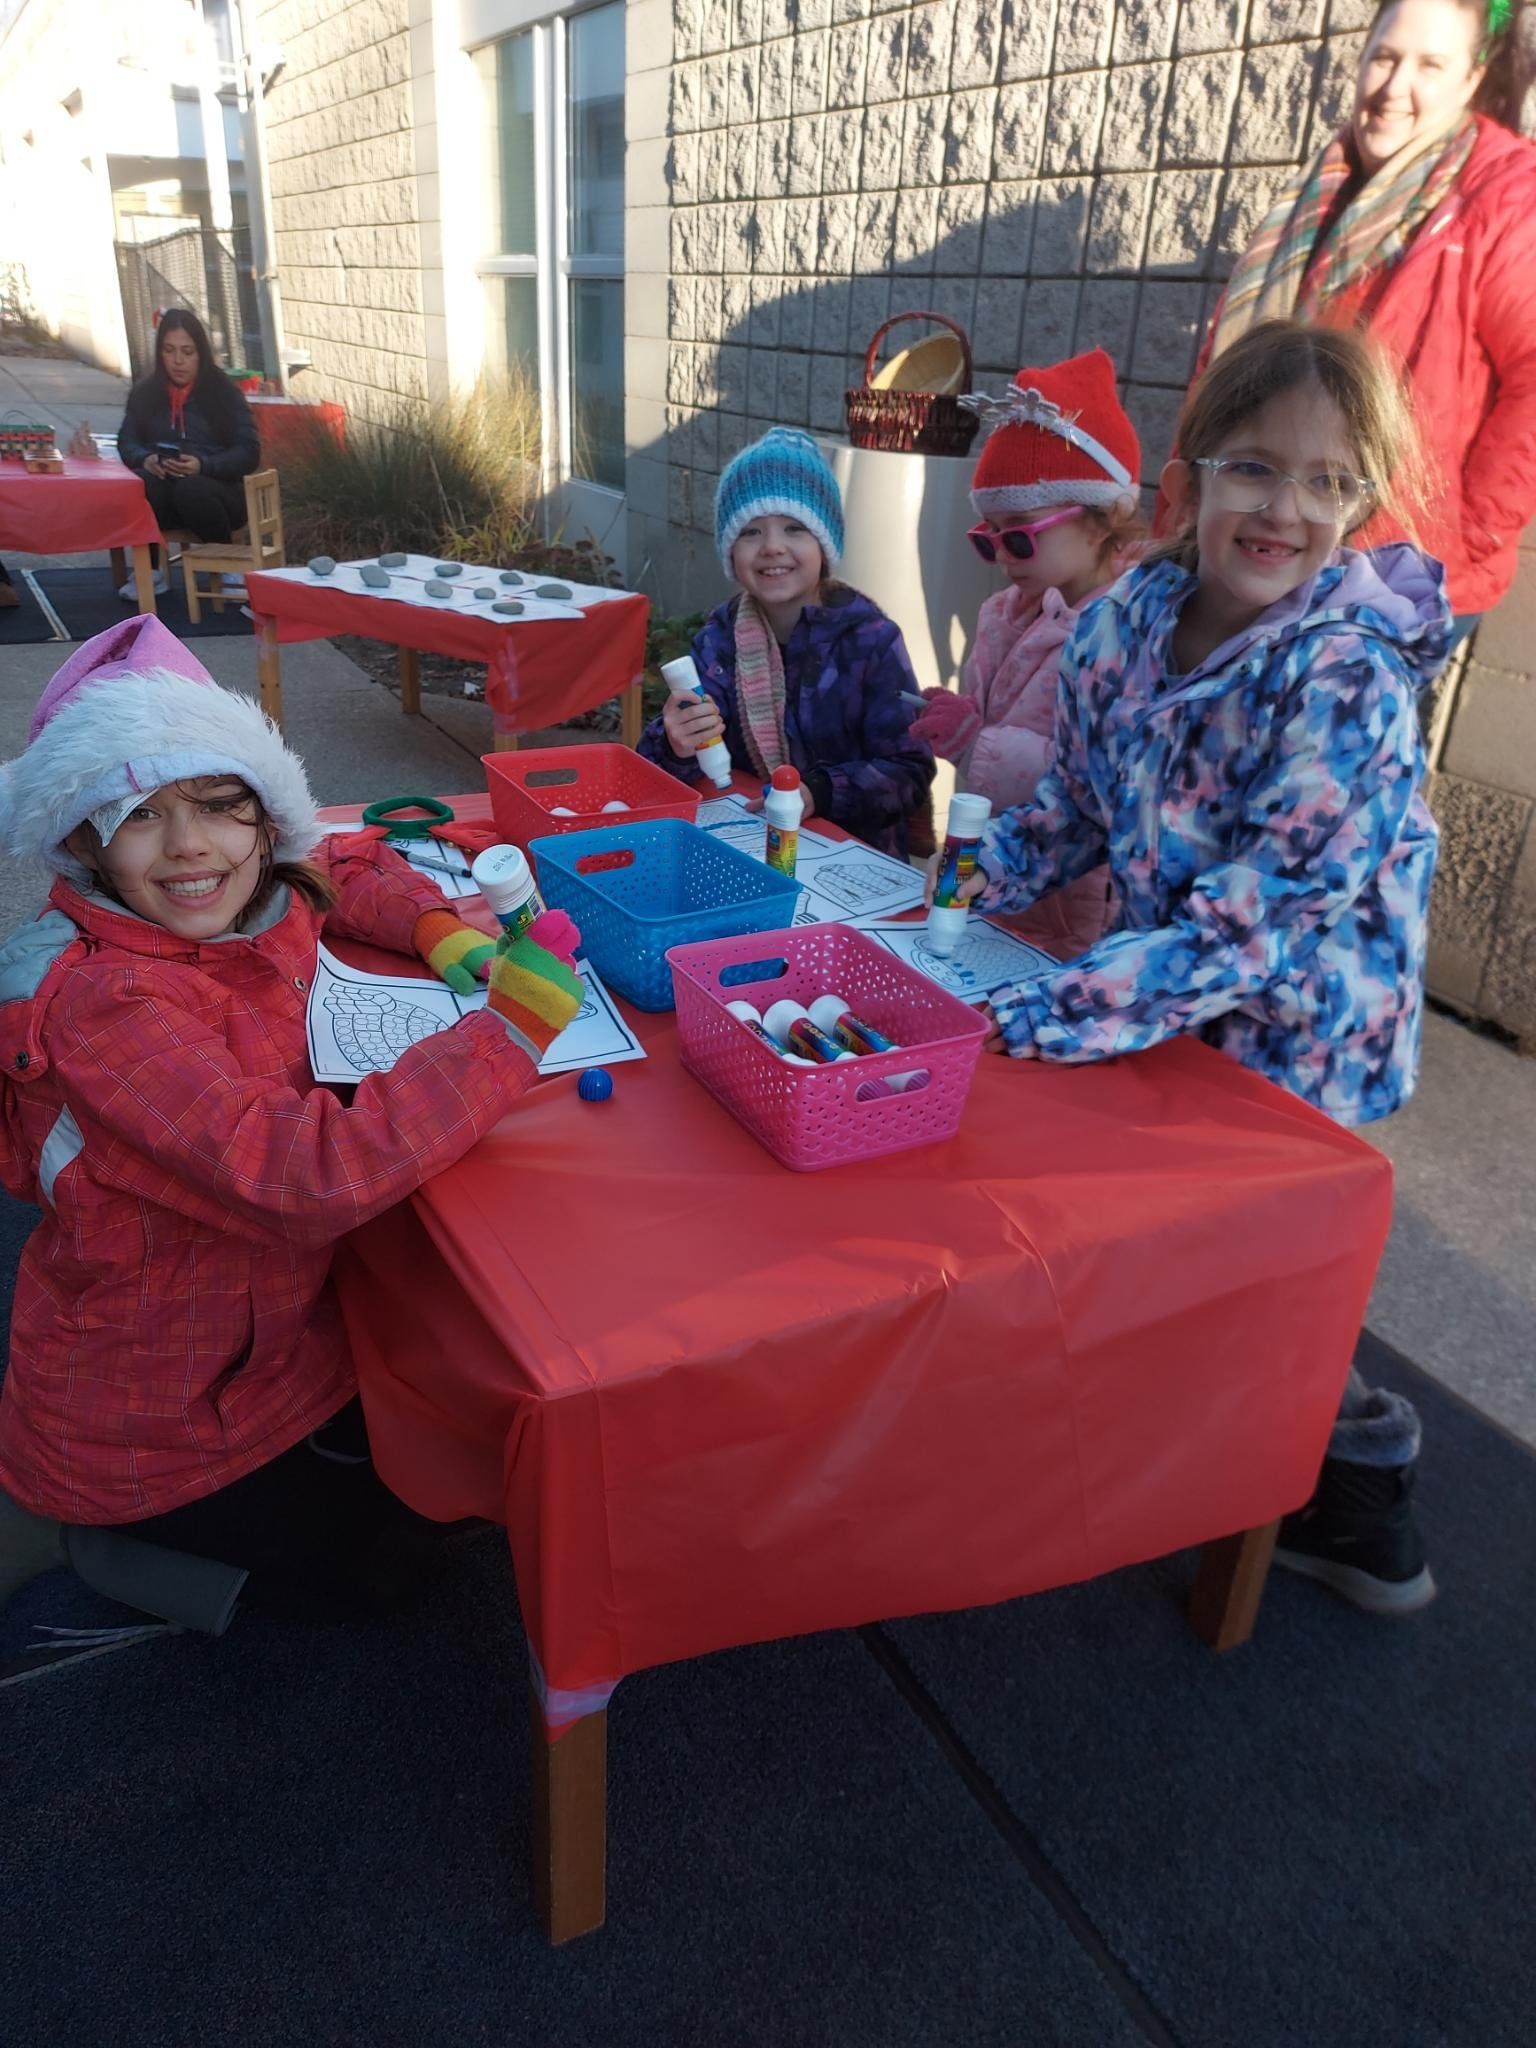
(715,1402)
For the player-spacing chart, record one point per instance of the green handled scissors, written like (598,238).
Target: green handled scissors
(382,813)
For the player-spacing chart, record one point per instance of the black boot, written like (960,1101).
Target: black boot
(1357,1534)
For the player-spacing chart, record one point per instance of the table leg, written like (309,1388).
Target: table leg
(570,1823)
(143,580)
(410,682)
(119,560)
(269,672)
(1224,1604)
(631,713)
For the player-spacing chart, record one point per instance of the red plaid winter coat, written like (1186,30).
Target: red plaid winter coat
(173,1327)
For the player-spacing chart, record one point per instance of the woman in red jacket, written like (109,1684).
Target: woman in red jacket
(179,1379)
(1418,223)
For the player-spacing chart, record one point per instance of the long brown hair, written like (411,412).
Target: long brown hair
(1278,356)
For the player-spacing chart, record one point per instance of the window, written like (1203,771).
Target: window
(552,110)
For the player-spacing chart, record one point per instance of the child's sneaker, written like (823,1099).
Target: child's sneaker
(1357,1534)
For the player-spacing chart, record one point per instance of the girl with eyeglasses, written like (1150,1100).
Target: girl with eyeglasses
(1236,733)
(1055,488)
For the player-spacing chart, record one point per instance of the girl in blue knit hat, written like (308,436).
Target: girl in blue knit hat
(799,668)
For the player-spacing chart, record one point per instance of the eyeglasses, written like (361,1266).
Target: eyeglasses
(1019,541)
(1239,483)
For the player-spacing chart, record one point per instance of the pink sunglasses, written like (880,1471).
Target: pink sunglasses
(1018,540)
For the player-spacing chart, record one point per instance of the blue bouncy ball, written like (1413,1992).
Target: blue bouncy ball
(595,1085)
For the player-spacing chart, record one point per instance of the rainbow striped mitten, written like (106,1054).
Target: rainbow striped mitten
(534,990)
(454,951)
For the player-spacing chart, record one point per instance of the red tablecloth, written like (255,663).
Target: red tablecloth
(715,1402)
(538,672)
(92,505)
(286,425)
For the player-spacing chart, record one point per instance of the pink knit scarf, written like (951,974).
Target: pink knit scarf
(760,686)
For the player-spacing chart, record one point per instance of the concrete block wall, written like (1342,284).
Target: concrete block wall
(1051,173)
(1482,956)
(346,201)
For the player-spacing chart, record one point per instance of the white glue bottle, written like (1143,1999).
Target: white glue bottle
(505,880)
(968,817)
(715,760)
(783,808)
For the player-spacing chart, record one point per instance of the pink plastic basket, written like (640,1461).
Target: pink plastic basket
(525,787)
(810,1117)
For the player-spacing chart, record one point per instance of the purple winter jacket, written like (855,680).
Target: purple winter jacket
(845,669)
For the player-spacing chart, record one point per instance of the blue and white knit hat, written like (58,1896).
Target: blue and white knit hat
(785,472)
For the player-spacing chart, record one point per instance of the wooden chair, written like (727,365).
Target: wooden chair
(258,545)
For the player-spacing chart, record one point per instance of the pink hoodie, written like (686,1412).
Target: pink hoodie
(1011,679)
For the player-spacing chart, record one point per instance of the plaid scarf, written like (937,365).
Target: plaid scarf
(1319,239)
(760,686)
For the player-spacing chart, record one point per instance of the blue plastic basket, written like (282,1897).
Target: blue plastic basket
(637,890)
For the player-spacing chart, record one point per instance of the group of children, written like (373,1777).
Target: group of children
(1204,760)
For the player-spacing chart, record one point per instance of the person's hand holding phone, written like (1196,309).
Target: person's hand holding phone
(183,465)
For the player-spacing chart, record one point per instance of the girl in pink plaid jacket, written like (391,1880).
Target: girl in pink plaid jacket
(175,1346)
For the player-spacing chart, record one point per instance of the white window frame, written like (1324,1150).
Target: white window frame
(552,265)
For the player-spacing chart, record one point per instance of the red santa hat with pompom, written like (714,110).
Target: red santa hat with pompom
(1059,436)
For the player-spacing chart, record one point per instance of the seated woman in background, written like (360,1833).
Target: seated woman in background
(189,434)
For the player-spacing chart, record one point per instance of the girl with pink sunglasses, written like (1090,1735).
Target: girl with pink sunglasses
(1055,486)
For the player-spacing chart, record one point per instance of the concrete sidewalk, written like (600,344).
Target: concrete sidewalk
(1457,1288)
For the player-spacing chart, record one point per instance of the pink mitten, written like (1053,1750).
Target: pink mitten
(947,721)
(557,934)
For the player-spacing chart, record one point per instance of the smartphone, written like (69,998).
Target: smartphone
(164,448)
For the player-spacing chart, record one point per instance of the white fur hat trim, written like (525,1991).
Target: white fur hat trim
(132,734)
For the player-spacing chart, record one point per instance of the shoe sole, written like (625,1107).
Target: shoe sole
(1362,1589)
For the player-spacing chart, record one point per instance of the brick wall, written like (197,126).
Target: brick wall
(1052,173)
(345,200)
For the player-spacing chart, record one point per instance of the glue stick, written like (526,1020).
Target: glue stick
(745,1014)
(832,1015)
(790,1023)
(968,817)
(505,880)
(715,759)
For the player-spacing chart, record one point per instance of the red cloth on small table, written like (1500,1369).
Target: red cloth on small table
(716,1402)
(538,671)
(287,425)
(92,505)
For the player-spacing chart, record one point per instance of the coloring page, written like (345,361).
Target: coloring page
(987,957)
(447,866)
(852,883)
(360,1023)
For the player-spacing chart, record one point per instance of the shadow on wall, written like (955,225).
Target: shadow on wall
(750,348)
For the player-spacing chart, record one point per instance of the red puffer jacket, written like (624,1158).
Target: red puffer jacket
(172,1327)
(1460,311)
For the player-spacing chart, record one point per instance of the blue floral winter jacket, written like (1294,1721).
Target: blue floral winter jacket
(845,669)
(1270,850)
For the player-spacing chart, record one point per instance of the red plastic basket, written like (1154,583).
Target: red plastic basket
(525,787)
(810,1117)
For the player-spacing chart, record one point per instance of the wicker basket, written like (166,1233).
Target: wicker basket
(889,410)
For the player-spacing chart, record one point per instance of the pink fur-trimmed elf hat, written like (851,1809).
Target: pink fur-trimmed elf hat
(129,712)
